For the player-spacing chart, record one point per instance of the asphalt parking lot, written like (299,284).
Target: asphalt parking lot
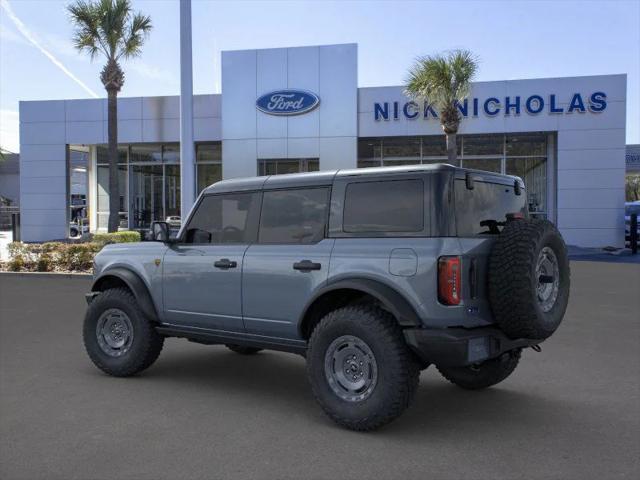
(570,412)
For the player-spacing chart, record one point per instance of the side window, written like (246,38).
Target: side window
(384,206)
(296,216)
(227,218)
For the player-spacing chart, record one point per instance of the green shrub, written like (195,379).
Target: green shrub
(16,248)
(126,236)
(52,256)
(77,256)
(16,264)
(44,263)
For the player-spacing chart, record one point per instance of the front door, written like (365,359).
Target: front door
(202,273)
(289,261)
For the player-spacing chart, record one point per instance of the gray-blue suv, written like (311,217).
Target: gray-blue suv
(371,274)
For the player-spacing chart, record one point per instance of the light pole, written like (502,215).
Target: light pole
(187,147)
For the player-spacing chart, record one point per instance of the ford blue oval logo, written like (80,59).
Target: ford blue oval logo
(287,102)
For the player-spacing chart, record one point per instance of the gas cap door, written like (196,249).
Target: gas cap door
(403,262)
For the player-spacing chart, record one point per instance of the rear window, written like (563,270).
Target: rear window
(384,206)
(481,210)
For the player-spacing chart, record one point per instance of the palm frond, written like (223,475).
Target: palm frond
(443,79)
(139,29)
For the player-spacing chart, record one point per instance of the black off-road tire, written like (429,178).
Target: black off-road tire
(146,344)
(486,374)
(398,371)
(243,350)
(512,279)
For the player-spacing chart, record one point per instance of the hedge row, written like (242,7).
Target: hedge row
(60,256)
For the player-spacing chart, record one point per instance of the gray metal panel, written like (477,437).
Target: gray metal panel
(239,99)
(304,73)
(273,293)
(271,75)
(339,90)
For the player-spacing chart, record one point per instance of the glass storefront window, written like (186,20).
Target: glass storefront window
(144,153)
(208,152)
(102,154)
(534,173)
(279,166)
(171,191)
(405,149)
(103,195)
(521,154)
(487,164)
(435,146)
(526,144)
(369,149)
(171,153)
(208,164)
(208,173)
(146,195)
(482,145)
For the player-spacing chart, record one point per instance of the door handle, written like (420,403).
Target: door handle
(225,263)
(307,265)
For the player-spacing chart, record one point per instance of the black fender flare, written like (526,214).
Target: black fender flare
(135,284)
(393,301)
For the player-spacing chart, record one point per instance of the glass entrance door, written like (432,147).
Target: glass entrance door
(146,195)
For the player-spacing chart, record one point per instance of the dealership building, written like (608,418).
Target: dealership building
(300,109)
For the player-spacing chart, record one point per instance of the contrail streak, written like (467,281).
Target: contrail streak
(31,38)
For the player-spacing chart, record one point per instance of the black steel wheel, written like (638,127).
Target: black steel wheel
(361,371)
(119,339)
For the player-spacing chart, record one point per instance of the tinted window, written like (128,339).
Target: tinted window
(294,216)
(224,219)
(487,203)
(387,206)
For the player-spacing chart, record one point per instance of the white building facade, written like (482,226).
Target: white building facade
(300,109)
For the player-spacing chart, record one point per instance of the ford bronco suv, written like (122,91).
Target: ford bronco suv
(371,274)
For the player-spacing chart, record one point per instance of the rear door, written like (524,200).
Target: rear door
(289,261)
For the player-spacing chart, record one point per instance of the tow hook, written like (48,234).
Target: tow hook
(536,348)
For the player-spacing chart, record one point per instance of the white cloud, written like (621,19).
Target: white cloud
(31,37)
(9,130)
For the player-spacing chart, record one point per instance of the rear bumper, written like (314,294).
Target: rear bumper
(458,347)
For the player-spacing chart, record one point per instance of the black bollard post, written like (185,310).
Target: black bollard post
(633,233)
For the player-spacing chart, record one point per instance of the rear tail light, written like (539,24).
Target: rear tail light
(449,280)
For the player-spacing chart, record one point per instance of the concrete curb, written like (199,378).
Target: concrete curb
(77,276)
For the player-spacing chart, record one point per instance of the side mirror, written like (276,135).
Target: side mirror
(160,232)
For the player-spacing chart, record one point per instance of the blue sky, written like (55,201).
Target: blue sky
(512,39)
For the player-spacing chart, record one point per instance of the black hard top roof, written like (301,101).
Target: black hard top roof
(327,177)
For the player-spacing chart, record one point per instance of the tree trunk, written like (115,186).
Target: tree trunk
(114,192)
(452,154)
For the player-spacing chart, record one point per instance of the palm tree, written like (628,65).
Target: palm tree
(112,29)
(444,81)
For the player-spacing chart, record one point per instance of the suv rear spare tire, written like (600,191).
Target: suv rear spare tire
(529,279)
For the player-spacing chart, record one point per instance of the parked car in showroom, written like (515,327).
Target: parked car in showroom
(174,221)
